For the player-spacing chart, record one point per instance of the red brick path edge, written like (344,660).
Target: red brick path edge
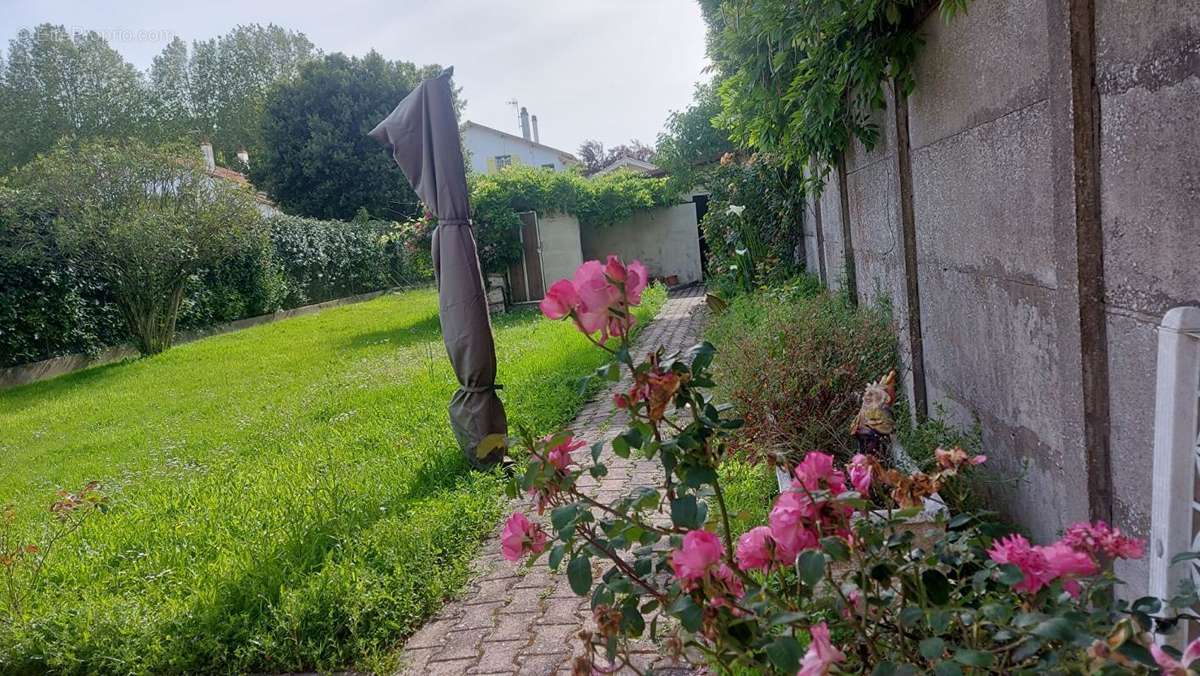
(514,619)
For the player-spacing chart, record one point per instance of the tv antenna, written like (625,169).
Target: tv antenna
(516,111)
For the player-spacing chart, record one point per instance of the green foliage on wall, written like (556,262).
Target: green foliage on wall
(760,240)
(691,142)
(801,77)
(497,198)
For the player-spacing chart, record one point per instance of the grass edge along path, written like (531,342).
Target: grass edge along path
(287,497)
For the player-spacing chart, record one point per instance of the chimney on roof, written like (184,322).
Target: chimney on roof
(535,133)
(210,163)
(244,158)
(524,123)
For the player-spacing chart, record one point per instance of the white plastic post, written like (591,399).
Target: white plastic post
(1176,453)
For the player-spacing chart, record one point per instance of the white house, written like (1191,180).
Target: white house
(490,150)
(265,206)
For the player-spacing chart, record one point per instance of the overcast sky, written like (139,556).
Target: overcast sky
(589,69)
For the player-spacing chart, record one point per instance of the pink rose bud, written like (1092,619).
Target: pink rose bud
(635,282)
(596,293)
(561,299)
(756,549)
(700,551)
(860,474)
(615,269)
(521,536)
(560,455)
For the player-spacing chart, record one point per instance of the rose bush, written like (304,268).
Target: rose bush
(831,584)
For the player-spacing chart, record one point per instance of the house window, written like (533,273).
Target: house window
(503,161)
(548,166)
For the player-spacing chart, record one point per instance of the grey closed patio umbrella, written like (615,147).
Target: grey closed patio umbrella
(423,134)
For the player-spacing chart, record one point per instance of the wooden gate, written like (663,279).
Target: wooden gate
(525,276)
(1175,512)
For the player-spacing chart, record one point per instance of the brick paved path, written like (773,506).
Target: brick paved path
(517,620)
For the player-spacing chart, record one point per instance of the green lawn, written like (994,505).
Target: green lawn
(282,498)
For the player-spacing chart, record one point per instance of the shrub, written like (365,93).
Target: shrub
(143,218)
(323,260)
(247,283)
(828,584)
(793,364)
(920,442)
(754,227)
(48,306)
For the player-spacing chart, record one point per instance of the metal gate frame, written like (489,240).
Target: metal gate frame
(1175,503)
(537,229)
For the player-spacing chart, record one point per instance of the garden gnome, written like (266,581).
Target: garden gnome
(874,425)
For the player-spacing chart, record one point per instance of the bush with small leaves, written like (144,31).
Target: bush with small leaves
(831,583)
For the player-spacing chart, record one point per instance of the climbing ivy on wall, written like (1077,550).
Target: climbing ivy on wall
(801,77)
(497,198)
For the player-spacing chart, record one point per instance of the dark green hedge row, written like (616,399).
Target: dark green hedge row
(49,307)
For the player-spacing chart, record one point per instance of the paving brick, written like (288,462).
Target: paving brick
(477,617)
(516,626)
(553,638)
(455,668)
(512,620)
(498,657)
(539,665)
(432,635)
(460,647)
(561,611)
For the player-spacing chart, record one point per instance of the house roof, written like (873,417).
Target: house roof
(566,155)
(240,179)
(626,162)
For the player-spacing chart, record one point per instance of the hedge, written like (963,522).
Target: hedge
(49,308)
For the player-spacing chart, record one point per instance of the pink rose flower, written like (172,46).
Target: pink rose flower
(816,472)
(1101,539)
(1064,562)
(821,654)
(560,455)
(595,291)
(635,282)
(856,603)
(561,300)
(1043,565)
(1016,550)
(789,523)
(756,549)
(701,550)
(614,269)
(860,474)
(1172,667)
(521,536)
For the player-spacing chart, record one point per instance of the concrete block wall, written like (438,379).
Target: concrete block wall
(1148,82)
(561,246)
(665,239)
(1032,198)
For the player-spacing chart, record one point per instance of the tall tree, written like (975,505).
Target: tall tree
(218,90)
(55,84)
(595,157)
(691,140)
(317,159)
